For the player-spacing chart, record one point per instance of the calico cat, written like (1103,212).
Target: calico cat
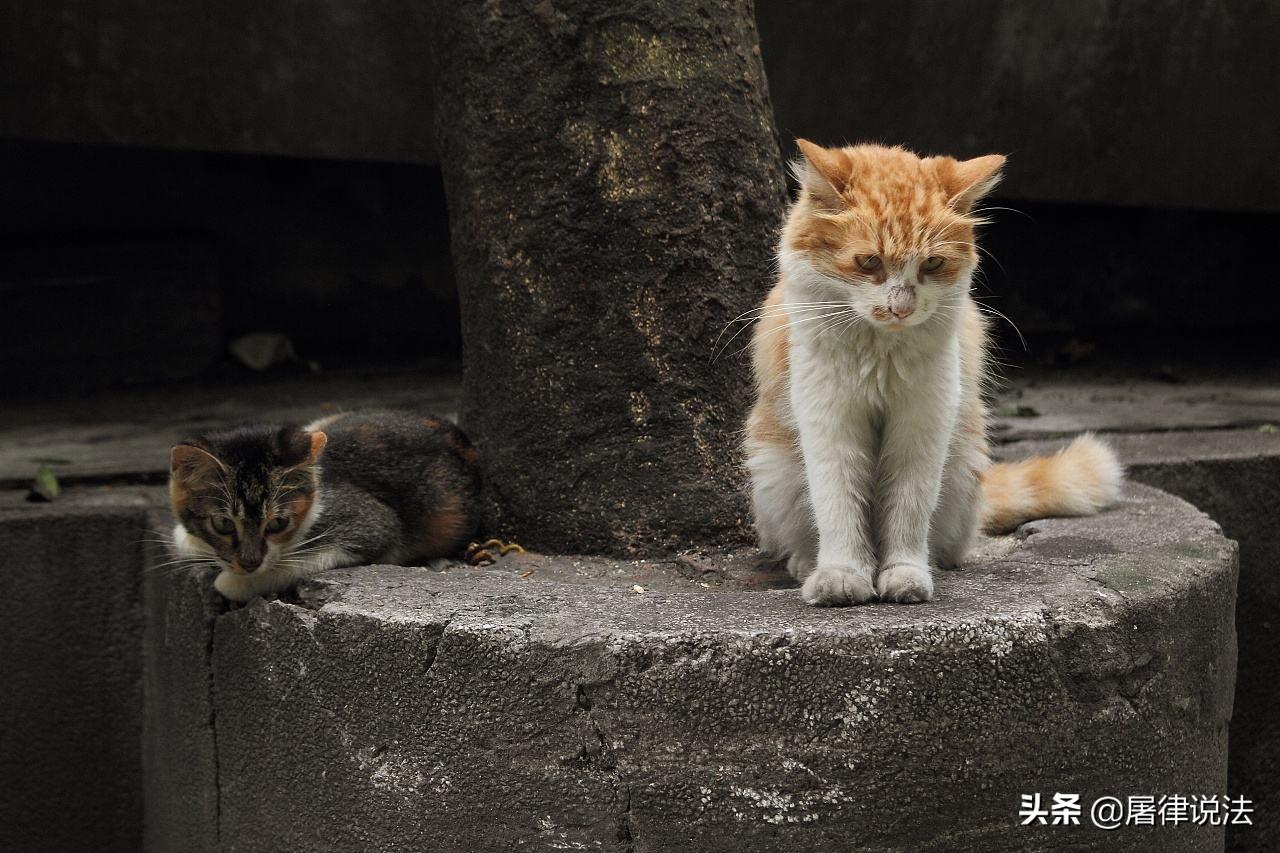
(271,504)
(867,443)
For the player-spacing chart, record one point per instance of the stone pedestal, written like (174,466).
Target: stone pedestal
(546,703)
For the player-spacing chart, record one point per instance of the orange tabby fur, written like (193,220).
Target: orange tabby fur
(869,200)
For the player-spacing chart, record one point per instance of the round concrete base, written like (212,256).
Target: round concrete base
(553,703)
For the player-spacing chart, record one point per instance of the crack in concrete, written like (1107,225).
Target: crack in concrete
(1011,437)
(584,703)
(626,831)
(213,732)
(433,652)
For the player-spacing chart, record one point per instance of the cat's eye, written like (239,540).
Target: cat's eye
(869,263)
(933,263)
(222,525)
(275,525)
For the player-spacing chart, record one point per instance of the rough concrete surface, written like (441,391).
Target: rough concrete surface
(124,435)
(1234,476)
(71,642)
(127,435)
(405,709)
(1064,408)
(179,752)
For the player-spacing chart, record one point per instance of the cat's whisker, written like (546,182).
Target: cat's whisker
(177,565)
(982,210)
(987,309)
(765,311)
(174,563)
(787,326)
(778,310)
(806,311)
(304,553)
(293,546)
(762,308)
(840,321)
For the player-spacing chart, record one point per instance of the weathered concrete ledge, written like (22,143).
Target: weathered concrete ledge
(544,704)
(1234,476)
(71,698)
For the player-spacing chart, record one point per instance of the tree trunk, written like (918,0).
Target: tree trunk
(615,189)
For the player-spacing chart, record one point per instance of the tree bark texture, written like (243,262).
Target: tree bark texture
(615,191)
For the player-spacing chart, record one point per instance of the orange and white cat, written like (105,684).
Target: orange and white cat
(867,444)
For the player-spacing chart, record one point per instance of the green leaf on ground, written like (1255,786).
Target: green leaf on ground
(1018,411)
(1268,428)
(45,486)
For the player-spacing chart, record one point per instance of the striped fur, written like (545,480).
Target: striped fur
(867,444)
(1081,479)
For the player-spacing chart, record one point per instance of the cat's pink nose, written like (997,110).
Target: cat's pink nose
(902,301)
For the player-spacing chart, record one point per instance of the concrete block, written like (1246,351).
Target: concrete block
(179,748)
(404,709)
(1234,476)
(71,642)
(1062,408)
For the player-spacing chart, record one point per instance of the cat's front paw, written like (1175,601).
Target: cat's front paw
(234,587)
(837,586)
(905,583)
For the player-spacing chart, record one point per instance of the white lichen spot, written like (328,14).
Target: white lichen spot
(639,403)
(630,55)
(390,771)
(626,169)
(778,807)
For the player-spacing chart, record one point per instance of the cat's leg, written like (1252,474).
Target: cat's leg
(838,442)
(955,521)
(918,427)
(780,505)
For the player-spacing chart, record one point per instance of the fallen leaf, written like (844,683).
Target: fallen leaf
(45,487)
(1269,428)
(1018,411)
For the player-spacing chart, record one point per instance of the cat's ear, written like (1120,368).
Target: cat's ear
(318,442)
(823,172)
(301,448)
(967,181)
(191,464)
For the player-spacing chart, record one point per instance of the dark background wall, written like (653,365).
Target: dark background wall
(349,259)
(283,152)
(329,78)
(1152,102)
(1136,102)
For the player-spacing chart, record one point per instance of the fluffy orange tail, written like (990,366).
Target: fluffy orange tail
(1081,479)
